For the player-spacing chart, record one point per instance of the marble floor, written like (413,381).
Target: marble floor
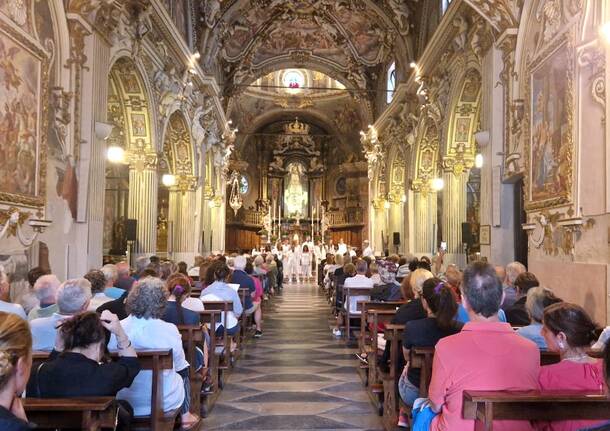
(297,376)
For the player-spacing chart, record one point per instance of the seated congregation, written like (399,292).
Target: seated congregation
(146,348)
(430,339)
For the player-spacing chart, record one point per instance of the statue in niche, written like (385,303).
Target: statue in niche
(295,195)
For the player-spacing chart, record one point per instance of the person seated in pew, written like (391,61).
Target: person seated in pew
(411,288)
(187,302)
(439,302)
(73,297)
(257,297)
(486,355)
(568,330)
(239,276)
(220,291)
(348,271)
(272,272)
(79,348)
(512,271)
(5,304)
(516,314)
(15,366)
(453,279)
(374,271)
(98,286)
(145,328)
(45,290)
(358,279)
(537,299)
(111,274)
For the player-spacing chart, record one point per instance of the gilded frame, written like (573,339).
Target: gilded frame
(10,32)
(563,45)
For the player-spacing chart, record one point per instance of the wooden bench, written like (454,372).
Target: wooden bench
(392,334)
(487,406)
(365,308)
(351,292)
(155,361)
(209,319)
(423,357)
(223,307)
(192,337)
(87,413)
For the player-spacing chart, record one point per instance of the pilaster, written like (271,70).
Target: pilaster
(454,214)
(143,192)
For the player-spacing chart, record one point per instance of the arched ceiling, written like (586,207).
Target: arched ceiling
(347,39)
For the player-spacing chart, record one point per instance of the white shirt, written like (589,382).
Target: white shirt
(43,331)
(368,251)
(98,300)
(154,334)
(194,271)
(358,280)
(9,307)
(342,248)
(230,317)
(306,259)
(193,304)
(352,253)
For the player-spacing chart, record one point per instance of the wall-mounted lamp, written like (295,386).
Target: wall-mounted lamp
(403,198)
(478,161)
(196,55)
(386,204)
(115,154)
(168,180)
(438,184)
(211,203)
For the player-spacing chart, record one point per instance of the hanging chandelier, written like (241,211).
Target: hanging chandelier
(235,200)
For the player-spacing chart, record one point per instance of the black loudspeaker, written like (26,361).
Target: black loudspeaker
(131,226)
(467,234)
(396,238)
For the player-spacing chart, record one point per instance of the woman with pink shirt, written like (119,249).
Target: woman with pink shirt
(568,329)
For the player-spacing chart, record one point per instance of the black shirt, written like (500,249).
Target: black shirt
(70,374)
(189,317)
(10,422)
(412,310)
(424,333)
(516,314)
(116,306)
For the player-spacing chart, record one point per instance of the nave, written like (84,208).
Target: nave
(297,377)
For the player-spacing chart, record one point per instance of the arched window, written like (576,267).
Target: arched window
(445,5)
(391,84)
(244,185)
(293,80)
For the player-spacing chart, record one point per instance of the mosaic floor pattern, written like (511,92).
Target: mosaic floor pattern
(297,376)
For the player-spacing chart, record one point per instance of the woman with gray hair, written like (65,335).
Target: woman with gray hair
(538,298)
(145,328)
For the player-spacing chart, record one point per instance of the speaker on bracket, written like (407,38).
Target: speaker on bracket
(396,238)
(131,227)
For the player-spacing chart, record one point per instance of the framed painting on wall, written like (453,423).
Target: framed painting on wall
(551,122)
(23,118)
(485,234)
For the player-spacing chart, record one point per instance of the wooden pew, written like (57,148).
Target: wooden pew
(422,358)
(86,413)
(192,337)
(224,307)
(153,360)
(393,334)
(350,292)
(485,406)
(365,307)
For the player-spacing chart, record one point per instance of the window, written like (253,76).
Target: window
(244,185)
(391,85)
(445,5)
(293,80)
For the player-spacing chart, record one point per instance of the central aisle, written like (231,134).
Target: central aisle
(297,377)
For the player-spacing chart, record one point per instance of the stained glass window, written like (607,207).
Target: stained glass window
(391,86)
(244,185)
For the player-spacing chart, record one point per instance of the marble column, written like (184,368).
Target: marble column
(182,210)
(453,215)
(143,191)
(424,220)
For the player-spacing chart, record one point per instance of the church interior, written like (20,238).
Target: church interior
(299,137)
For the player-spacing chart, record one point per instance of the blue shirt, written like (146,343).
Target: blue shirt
(245,281)
(189,317)
(114,292)
(462,315)
(532,332)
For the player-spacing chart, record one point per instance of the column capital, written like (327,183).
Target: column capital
(185,183)
(143,160)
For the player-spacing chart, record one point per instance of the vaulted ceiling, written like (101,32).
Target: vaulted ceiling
(346,39)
